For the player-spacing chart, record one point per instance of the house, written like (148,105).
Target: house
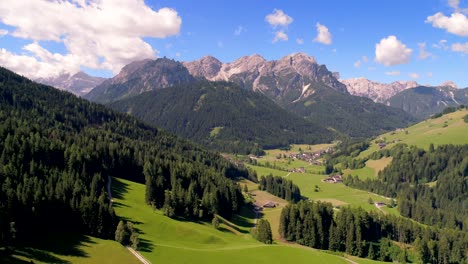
(269,204)
(379,204)
(334,179)
(382,145)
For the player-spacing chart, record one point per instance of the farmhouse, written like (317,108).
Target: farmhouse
(334,179)
(269,204)
(382,145)
(379,204)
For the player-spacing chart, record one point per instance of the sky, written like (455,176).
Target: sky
(384,41)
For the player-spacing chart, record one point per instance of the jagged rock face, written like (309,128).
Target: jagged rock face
(449,84)
(139,77)
(378,92)
(290,78)
(207,67)
(79,83)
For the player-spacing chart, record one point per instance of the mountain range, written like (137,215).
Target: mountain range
(79,83)
(296,83)
(224,117)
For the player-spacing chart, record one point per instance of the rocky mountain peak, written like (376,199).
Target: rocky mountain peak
(450,84)
(207,67)
(78,83)
(378,92)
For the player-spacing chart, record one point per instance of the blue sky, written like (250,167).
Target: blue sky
(427,48)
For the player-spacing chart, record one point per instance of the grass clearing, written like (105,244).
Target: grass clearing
(428,131)
(166,240)
(72,249)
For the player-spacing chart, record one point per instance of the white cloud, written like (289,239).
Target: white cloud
(456,24)
(460,47)
(299,41)
(239,30)
(442,44)
(178,54)
(390,51)
(393,73)
(357,64)
(413,75)
(98,34)
(455,4)
(365,59)
(3,32)
(278,18)
(280,35)
(323,35)
(423,53)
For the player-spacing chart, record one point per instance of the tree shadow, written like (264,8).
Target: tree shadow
(145,245)
(48,249)
(118,188)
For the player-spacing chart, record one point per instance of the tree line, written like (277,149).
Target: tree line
(430,186)
(370,234)
(280,187)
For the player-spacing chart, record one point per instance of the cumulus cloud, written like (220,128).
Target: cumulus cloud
(423,53)
(99,34)
(390,51)
(323,35)
(414,75)
(393,73)
(456,24)
(239,30)
(363,60)
(280,36)
(455,4)
(357,64)
(3,32)
(278,18)
(300,41)
(460,47)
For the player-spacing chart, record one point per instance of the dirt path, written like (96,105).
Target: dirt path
(139,256)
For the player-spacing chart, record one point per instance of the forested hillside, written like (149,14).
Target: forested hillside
(224,117)
(57,152)
(431,186)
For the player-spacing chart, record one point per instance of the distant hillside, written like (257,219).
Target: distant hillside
(447,129)
(224,117)
(141,76)
(423,102)
(352,115)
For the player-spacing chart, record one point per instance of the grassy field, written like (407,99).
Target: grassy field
(73,249)
(371,169)
(337,194)
(448,129)
(165,240)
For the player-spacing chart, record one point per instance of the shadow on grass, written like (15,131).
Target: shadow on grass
(118,188)
(48,249)
(145,245)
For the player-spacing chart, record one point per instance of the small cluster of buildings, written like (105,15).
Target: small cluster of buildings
(337,178)
(269,204)
(311,157)
(299,170)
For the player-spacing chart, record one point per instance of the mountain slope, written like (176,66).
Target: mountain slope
(378,92)
(425,101)
(139,77)
(352,115)
(223,116)
(299,84)
(79,83)
(58,151)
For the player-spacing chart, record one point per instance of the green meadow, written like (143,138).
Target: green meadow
(447,129)
(165,240)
